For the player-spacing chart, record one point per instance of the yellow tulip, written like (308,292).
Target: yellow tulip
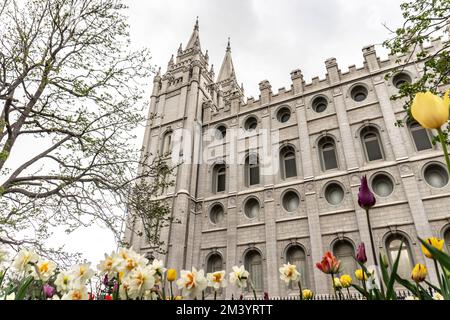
(307,294)
(430,110)
(337,283)
(419,273)
(171,275)
(359,274)
(434,242)
(346,280)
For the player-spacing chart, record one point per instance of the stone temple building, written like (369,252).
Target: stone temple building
(322,136)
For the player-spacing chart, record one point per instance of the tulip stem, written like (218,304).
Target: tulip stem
(438,274)
(332,281)
(171,291)
(444,148)
(301,291)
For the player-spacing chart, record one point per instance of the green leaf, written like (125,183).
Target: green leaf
(390,285)
(23,286)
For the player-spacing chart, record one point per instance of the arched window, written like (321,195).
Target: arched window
(288,164)
(166,143)
(447,239)
(214,263)
(253,264)
(219,178)
(296,255)
(372,144)
(345,252)
(406,262)
(252,170)
(328,157)
(420,136)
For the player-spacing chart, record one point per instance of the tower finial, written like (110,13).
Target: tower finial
(196,24)
(228,45)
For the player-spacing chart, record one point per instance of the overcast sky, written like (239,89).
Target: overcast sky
(268,39)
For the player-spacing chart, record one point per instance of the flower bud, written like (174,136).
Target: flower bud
(171,275)
(419,273)
(307,294)
(345,280)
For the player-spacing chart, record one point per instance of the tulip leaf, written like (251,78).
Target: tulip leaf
(390,285)
(412,288)
(23,286)
(433,286)
(359,289)
(446,288)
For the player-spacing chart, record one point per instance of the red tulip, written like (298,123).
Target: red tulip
(329,264)
(108,297)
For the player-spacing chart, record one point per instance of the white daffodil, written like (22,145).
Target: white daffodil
(288,272)
(216,280)
(192,282)
(63,281)
(139,280)
(24,260)
(158,266)
(239,277)
(109,266)
(437,296)
(81,273)
(150,295)
(130,260)
(43,270)
(411,298)
(76,294)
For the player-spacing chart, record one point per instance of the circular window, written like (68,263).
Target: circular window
(400,79)
(284,114)
(216,214)
(251,124)
(290,201)
(334,194)
(359,93)
(382,185)
(221,132)
(251,208)
(436,175)
(319,104)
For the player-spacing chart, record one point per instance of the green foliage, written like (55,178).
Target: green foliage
(424,20)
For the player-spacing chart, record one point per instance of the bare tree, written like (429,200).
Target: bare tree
(71,97)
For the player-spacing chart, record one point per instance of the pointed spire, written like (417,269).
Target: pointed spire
(194,41)
(227,70)
(180,48)
(171,61)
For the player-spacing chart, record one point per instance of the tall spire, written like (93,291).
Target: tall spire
(227,70)
(194,41)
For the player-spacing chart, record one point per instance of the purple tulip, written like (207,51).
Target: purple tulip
(366,198)
(266,296)
(49,291)
(361,253)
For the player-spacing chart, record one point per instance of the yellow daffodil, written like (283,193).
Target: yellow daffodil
(430,110)
(171,275)
(346,280)
(434,242)
(361,275)
(419,273)
(307,294)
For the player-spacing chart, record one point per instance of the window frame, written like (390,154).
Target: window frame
(321,144)
(371,130)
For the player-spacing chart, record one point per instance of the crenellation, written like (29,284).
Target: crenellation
(324,112)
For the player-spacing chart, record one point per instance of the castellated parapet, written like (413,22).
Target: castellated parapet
(321,136)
